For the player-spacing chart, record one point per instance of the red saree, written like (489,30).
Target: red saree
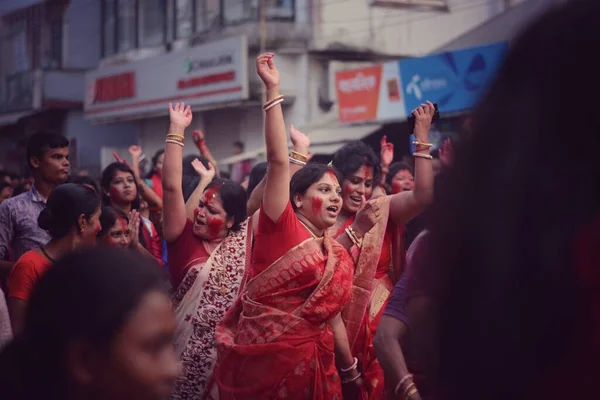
(275,341)
(378,267)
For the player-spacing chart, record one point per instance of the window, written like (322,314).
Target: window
(279,9)
(108,27)
(236,11)
(207,15)
(126,35)
(184,10)
(52,57)
(18,43)
(152,19)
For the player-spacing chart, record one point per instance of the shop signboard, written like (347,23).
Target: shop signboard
(370,94)
(454,80)
(204,76)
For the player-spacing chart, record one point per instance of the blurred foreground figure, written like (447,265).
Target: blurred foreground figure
(517,226)
(99,326)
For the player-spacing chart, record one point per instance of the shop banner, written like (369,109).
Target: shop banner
(204,76)
(454,80)
(370,94)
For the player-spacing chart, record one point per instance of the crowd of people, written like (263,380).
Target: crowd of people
(321,281)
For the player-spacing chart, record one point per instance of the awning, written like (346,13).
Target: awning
(12,118)
(504,27)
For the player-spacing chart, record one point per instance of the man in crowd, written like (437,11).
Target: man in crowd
(48,158)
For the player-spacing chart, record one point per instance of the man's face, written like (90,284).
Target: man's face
(53,167)
(237,150)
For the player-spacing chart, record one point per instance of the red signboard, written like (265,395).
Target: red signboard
(114,87)
(206,80)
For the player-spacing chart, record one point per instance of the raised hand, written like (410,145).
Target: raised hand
(197,135)
(299,139)
(205,173)
(366,217)
(265,66)
(181,116)
(387,152)
(119,159)
(423,117)
(446,153)
(135,151)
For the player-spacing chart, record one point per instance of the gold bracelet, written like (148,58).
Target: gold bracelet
(178,138)
(298,156)
(268,103)
(427,156)
(417,143)
(409,394)
(174,142)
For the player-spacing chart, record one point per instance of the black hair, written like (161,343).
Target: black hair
(307,176)
(66,204)
(20,189)
(107,176)
(154,161)
(4,185)
(505,222)
(188,169)
(84,180)
(394,169)
(239,144)
(233,197)
(40,143)
(108,217)
(259,171)
(86,296)
(354,155)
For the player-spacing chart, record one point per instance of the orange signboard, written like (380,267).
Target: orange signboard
(358,94)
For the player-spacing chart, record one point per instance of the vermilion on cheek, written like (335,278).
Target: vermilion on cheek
(348,189)
(215,225)
(196,212)
(115,193)
(397,187)
(317,203)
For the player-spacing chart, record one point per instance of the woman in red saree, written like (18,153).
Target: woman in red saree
(284,335)
(380,259)
(207,258)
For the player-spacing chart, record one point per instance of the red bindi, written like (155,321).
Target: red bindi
(317,203)
(211,193)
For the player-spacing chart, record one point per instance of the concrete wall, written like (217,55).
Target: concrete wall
(355,24)
(82,34)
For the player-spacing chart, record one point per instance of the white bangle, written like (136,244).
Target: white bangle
(399,385)
(273,104)
(174,142)
(297,162)
(352,367)
(427,156)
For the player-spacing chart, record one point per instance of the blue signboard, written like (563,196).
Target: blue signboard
(453,80)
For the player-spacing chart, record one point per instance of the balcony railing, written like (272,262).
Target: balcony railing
(18,92)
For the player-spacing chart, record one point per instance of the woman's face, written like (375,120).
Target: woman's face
(322,202)
(118,235)
(402,181)
(122,188)
(211,222)
(141,362)
(357,186)
(159,164)
(89,227)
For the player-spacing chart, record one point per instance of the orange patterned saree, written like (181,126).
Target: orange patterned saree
(275,342)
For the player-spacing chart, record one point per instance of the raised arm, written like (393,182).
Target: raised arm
(277,186)
(147,194)
(301,144)
(200,142)
(206,177)
(174,215)
(408,204)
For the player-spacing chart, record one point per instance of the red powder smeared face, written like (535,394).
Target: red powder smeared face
(402,181)
(118,235)
(357,186)
(122,189)
(317,204)
(210,218)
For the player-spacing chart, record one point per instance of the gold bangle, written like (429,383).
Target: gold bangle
(298,156)
(417,143)
(427,156)
(409,394)
(268,103)
(178,138)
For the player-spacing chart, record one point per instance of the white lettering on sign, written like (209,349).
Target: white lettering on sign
(360,83)
(433,84)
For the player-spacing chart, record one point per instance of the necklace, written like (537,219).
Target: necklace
(47,256)
(308,229)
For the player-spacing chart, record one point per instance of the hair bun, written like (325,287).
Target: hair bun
(45,219)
